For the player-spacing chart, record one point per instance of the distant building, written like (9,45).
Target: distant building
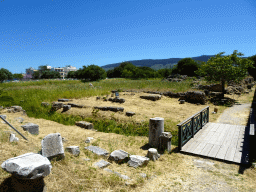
(29,73)
(60,70)
(64,70)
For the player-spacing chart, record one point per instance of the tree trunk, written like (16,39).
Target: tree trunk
(223,88)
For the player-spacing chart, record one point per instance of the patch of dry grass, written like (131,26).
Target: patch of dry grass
(172,172)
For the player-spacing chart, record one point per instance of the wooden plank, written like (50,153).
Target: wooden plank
(206,149)
(222,152)
(230,154)
(237,157)
(219,135)
(184,148)
(192,146)
(252,130)
(207,134)
(220,139)
(199,148)
(229,136)
(213,152)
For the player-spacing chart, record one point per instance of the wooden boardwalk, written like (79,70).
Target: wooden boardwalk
(221,141)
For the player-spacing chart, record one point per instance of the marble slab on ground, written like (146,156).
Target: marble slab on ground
(52,146)
(101,164)
(97,150)
(138,161)
(28,166)
(125,177)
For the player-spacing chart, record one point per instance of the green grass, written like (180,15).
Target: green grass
(30,95)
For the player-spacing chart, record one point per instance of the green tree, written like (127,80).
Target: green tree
(225,68)
(163,73)
(71,74)
(17,76)
(252,70)
(144,72)
(110,73)
(187,66)
(5,75)
(92,72)
(128,70)
(36,75)
(50,75)
(42,68)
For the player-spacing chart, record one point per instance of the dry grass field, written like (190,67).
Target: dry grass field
(172,172)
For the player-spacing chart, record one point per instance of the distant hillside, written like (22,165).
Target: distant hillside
(157,63)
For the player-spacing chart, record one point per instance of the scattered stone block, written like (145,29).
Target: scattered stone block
(17,108)
(19,119)
(66,107)
(97,98)
(63,100)
(143,175)
(153,154)
(91,85)
(3,116)
(151,97)
(138,161)
(156,128)
(87,159)
(182,101)
(110,99)
(101,164)
(115,109)
(45,104)
(76,105)
(64,139)
(28,166)
(195,97)
(84,124)
(31,128)
(129,113)
(56,105)
(165,141)
(118,174)
(88,139)
(10,110)
(13,138)
(74,150)
(119,156)
(52,146)
(97,150)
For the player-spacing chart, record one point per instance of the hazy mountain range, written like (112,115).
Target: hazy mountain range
(158,63)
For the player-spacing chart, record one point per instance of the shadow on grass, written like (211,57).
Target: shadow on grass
(12,184)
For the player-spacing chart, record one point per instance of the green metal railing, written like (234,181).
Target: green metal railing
(189,127)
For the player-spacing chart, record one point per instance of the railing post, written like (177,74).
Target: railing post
(180,138)
(201,119)
(193,130)
(208,114)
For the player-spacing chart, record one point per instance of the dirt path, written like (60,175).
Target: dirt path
(236,115)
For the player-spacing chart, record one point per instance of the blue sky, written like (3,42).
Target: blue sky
(100,32)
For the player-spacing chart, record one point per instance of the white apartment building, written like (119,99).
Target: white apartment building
(64,70)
